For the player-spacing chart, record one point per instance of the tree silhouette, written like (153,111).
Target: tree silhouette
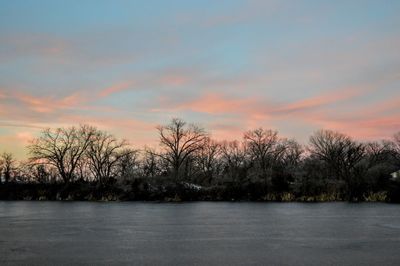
(62,148)
(178,141)
(7,166)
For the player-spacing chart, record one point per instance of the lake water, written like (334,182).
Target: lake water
(203,233)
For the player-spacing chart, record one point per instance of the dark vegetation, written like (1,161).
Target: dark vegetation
(84,163)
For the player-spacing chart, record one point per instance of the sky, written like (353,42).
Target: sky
(229,66)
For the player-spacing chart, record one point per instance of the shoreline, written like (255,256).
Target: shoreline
(91,192)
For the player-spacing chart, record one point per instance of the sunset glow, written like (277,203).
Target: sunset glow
(230,66)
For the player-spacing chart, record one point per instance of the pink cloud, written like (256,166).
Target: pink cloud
(365,128)
(48,104)
(216,103)
(226,130)
(318,111)
(21,103)
(115,88)
(320,100)
(251,108)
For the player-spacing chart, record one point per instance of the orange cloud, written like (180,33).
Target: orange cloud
(48,104)
(214,103)
(314,112)
(251,112)
(321,100)
(115,88)
(366,128)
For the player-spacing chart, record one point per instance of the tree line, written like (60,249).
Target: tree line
(260,166)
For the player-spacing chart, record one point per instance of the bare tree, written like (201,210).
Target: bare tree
(151,165)
(377,152)
(395,143)
(37,173)
(7,165)
(62,148)
(343,157)
(339,151)
(127,164)
(207,159)
(103,154)
(234,157)
(264,149)
(83,171)
(178,141)
(292,152)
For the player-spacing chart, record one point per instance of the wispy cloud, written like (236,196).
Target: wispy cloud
(47,104)
(321,100)
(216,103)
(116,88)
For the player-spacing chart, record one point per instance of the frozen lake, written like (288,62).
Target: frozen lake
(202,233)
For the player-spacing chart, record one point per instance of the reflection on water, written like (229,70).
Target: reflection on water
(203,233)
